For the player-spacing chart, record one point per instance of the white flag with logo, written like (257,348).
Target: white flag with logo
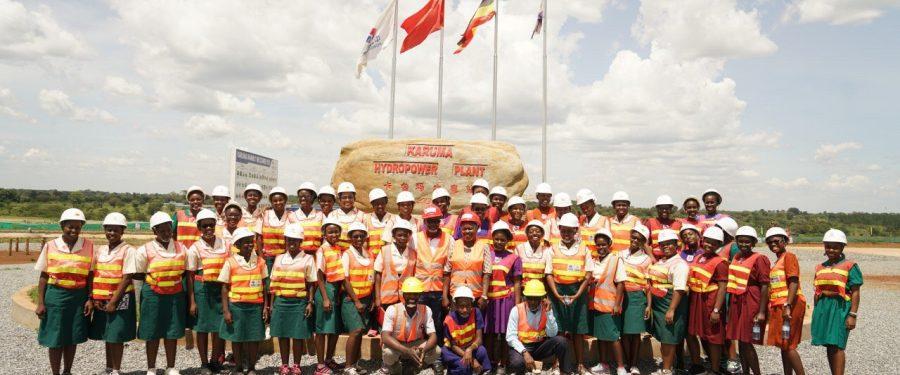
(379,37)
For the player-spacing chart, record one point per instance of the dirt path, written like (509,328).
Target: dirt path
(852,249)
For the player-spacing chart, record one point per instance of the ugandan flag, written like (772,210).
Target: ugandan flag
(485,12)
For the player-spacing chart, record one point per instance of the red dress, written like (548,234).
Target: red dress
(702,305)
(743,308)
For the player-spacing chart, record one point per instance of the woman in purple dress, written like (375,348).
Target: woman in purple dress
(503,294)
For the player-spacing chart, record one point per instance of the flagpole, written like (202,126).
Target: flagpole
(394,68)
(544,129)
(496,46)
(441,84)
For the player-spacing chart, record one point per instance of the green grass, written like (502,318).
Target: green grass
(33,293)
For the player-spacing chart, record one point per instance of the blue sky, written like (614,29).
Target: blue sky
(775,103)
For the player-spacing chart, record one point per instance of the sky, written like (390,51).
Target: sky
(775,103)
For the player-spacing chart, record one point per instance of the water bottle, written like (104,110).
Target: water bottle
(757,332)
(786,330)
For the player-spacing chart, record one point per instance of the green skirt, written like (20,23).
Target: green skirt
(571,318)
(289,319)
(328,322)
(828,325)
(270,261)
(208,296)
(117,327)
(665,333)
(351,319)
(606,326)
(64,322)
(163,316)
(633,306)
(247,323)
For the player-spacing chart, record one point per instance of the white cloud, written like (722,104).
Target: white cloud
(791,184)
(8,104)
(57,103)
(34,34)
(827,152)
(211,126)
(35,154)
(121,86)
(873,167)
(854,182)
(838,12)
(749,173)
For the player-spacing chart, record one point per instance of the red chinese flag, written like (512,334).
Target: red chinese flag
(424,22)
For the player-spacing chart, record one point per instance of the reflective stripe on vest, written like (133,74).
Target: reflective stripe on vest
(186,232)
(636,276)
(588,232)
(362,277)
(273,235)
(406,330)
(288,280)
(246,285)
(448,224)
(334,269)
(621,233)
(833,279)
(655,227)
(499,269)
(164,273)
(660,285)
(462,334)
(533,268)
(701,273)
(390,281)
(527,333)
(568,269)
(375,232)
(430,265)
(778,288)
(108,275)
(519,237)
(312,232)
(211,263)
(467,270)
(603,290)
(67,270)
(739,274)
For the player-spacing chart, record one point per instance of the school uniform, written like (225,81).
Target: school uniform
(830,312)
(328,260)
(312,229)
(621,232)
(506,268)
(359,270)
(245,298)
(703,278)
(746,276)
(656,225)
(271,227)
(291,280)
(536,263)
(570,266)
(588,228)
(208,262)
(376,229)
(461,332)
(635,301)
(667,277)
(120,326)
(185,225)
(67,291)
(345,219)
(607,273)
(394,268)
(785,267)
(163,306)
(518,234)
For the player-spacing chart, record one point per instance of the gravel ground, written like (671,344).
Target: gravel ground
(871,350)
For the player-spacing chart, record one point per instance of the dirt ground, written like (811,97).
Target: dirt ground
(890,250)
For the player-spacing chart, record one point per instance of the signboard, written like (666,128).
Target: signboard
(248,168)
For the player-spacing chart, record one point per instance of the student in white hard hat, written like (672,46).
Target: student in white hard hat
(396,262)
(691,208)
(544,211)
(406,203)
(114,320)
(164,300)
(711,200)
(358,292)
(668,304)
(690,242)
(729,229)
(207,256)
(480,186)
(515,217)
(503,293)
(63,300)
(478,205)
(347,212)
(440,197)
(309,218)
(184,222)
(498,198)
(635,308)
(707,283)
(330,280)
(234,219)
(469,261)
(562,205)
(463,352)
(837,284)
(536,253)
(607,291)
(244,306)
(621,223)
(221,197)
(665,219)
(327,197)
(270,226)
(252,196)
(590,221)
(787,304)
(294,276)
(748,285)
(570,276)
(377,221)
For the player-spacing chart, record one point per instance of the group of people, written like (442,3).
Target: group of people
(492,288)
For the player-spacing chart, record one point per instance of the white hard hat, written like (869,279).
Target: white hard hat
(690,198)
(543,188)
(620,196)
(479,198)
(667,235)
(357,226)
(402,224)
(232,204)
(562,200)
(642,229)
(689,226)
(514,201)
(713,191)
(835,235)
(240,234)
(604,232)
(568,220)
(376,193)
(328,190)
(405,196)
(331,221)
(714,233)
(346,187)
(439,193)
(776,231)
(481,182)
(584,195)
(115,218)
(206,214)
(747,231)
(294,230)
(253,187)
(193,189)
(220,191)
(463,292)
(664,200)
(307,186)
(500,225)
(728,225)
(536,223)
(72,214)
(498,190)
(277,190)
(159,218)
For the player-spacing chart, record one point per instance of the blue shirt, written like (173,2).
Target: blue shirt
(534,319)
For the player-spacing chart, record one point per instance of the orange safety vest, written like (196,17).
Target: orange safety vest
(108,275)
(463,334)
(553,234)
(467,270)
(660,281)
(536,214)
(603,292)
(636,276)
(527,333)
(390,281)
(532,267)
(164,273)
(376,231)
(739,274)
(448,224)
(246,285)
(273,235)
(701,273)
(186,232)
(344,241)
(211,263)
(499,269)
(569,269)
(334,269)
(833,278)
(407,331)
(68,270)
(588,231)
(778,288)
(655,226)
(519,236)
(312,230)
(430,265)
(621,233)
(362,277)
(289,280)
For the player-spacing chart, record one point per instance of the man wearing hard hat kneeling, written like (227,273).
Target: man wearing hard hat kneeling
(531,333)
(407,334)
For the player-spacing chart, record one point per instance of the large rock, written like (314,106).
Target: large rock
(421,165)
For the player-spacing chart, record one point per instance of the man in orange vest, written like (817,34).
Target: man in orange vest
(408,334)
(432,252)
(531,333)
